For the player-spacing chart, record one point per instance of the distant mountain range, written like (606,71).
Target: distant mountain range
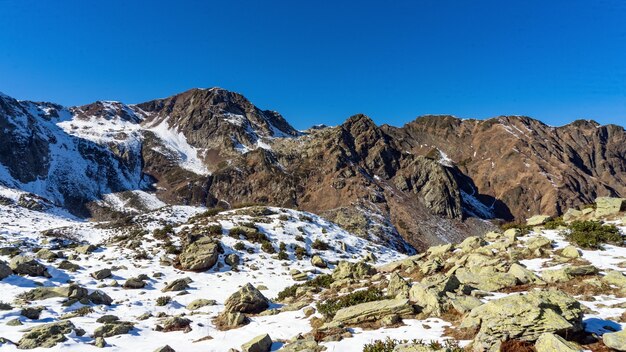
(435,179)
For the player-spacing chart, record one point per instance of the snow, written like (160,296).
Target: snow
(188,156)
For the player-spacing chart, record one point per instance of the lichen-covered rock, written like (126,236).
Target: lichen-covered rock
(485,278)
(85,249)
(46,336)
(25,265)
(199,255)
(567,273)
(549,342)
(165,348)
(397,287)
(134,283)
(247,300)
(72,291)
(615,278)
(430,293)
(101,274)
(538,220)
(373,311)
(570,252)
(200,302)
(176,324)
(524,317)
(113,329)
(523,275)
(177,285)
(615,340)
(348,270)
(232,259)
(606,206)
(46,254)
(261,343)
(303,345)
(318,261)
(32,312)
(5,270)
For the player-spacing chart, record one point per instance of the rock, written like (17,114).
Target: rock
(99,297)
(232,260)
(615,340)
(439,251)
(69,266)
(348,270)
(297,275)
(46,336)
(471,243)
(176,324)
(32,312)
(538,242)
(24,265)
(308,311)
(303,345)
(373,311)
(615,278)
(570,252)
(134,283)
(606,206)
(5,270)
(538,220)
(177,285)
(524,317)
(572,214)
(86,249)
(464,304)
(247,300)
(523,275)
(232,320)
(101,274)
(512,234)
(397,287)
(165,348)
(72,291)
(100,342)
(200,302)
(14,322)
(108,318)
(261,343)
(113,329)
(430,293)
(200,255)
(485,278)
(549,342)
(318,261)
(567,273)
(46,254)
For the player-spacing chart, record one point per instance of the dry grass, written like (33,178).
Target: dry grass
(517,346)
(459,334)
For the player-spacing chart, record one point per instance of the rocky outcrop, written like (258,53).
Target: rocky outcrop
(525,317)
(373,311)
(46,336)
(199,255)
(261,343)
(247,300)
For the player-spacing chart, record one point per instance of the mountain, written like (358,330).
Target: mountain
(434,180)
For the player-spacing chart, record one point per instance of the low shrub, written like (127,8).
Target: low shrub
(282,255)
(163,300)
(320,281)
(239,246)
(389,344)
(593,234)
(214,229)
(319,245)
(163,233)
(267,247)
(554,224)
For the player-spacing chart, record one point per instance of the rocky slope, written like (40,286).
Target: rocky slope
(431,181)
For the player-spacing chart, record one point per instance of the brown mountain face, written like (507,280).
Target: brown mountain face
(434,180)
(529,167)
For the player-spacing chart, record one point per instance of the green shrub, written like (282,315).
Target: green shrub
(300,252)
(163,233)
(592,234)
(554,224)
(389,344)
(282,246)
(329,307)
(299,238)
(267,247)
(320,281)
(239,246)
(319,245)
(524,230)
(214,229)
(163,300)
(282,255)
(5,306)
(284,217)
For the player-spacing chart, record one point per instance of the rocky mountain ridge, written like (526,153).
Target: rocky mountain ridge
(431,181)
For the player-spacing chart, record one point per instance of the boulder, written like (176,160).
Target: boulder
(570,252)
(485,278)
(615,340)
(46,254)
(439,251)
(100,342)
(113,329)
(46,336)
(72,291)
(524,317)
(101,274)
(397,286)
(567,273)
(430,293)
(134,283)
(373,311)
(538,220)
(247,300)
(5,270)
(231,320)
(85,249)
(261,343)
(25,265)
(177,285)
(606,206)
(348,270)
(318,261)
(615,278)
(572,214)
(298,275)
(523,275)
(549,342)
(32,312)
(199,255)
(200,302)
(99,297)
(165,348)
(176,324)
(232,260)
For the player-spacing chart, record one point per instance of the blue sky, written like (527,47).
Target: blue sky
(322,61)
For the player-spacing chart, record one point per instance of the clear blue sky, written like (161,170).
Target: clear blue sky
(322,61)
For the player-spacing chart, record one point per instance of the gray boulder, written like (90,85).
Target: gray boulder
(199,255)
(615,340)
(46,336)
(554,343)
(261,343)
(373,311)
(5,270)
(177,285)
(25,265)
(247,300)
